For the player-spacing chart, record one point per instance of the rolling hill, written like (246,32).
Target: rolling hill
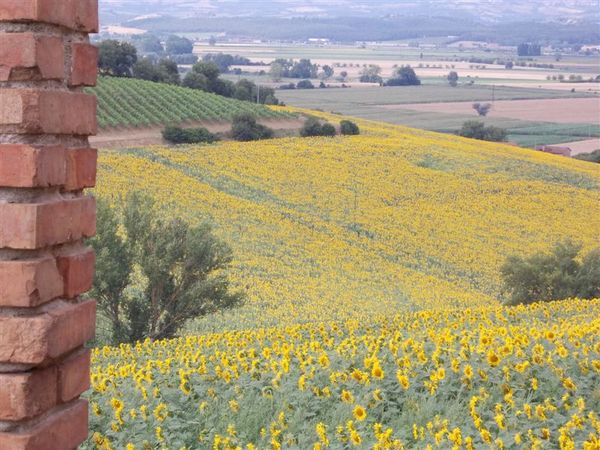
(373,318)
(127,102)
(394,219)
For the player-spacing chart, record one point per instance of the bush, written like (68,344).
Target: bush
(305,84)
(477,130)
(591,157)
(328,130)
(552,276)
(482,108)
(177,135)
(138,282)
(245,128)
(349,128)
(312,127)
(405,76)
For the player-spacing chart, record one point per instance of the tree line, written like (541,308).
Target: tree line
(120,59)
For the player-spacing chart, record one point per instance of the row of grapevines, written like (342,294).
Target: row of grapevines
(129,102)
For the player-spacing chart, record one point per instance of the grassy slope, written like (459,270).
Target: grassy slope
(394,219)
(135,103)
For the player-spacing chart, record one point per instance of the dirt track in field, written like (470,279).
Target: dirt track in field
(569,110)
(132,137)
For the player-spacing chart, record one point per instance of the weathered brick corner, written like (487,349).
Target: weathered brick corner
(45,164)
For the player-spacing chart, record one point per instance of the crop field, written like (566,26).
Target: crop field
(374,96)
(574,110)
(432,61)
(125,102)
(371,267)
(391,105)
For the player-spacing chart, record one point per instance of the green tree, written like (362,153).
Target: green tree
(404,76)
(371,74)
(313,127)
(177,135)
(327,72)
(482,109)
(195,80)
(181,267)
(591,157)
(305,84)
(477,130)
(276,71)
(552,276)
(116,58)
(453,79)
(246,128)
(149,43)
(177,45)
(349,128)
(165,71)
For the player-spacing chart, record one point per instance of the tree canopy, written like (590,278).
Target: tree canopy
(157,272)
(116,58)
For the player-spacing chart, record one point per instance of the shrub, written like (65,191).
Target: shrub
(157,300)
(347,127)
(328,130)
(246,128)
(305,84)
(552,276)
(591,157)
(405,76)
(482,108)
(312,127)
(177,135)
(477,130)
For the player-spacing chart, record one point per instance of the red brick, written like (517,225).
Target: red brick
(46,336)
(29,283)
(84,70)
(65,429)
(46,111)
(25,56)
(28,394)
(77,271)
(38,225)
(81,15)
(26,166)
(81,168)
(74,376)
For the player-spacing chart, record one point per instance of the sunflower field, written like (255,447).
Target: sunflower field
(373,315)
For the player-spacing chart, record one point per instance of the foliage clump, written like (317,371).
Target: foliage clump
(154,273)
(245,128)
(313,127)
(553,276)
(482,109)
(178,135)
(477,130)
(349,128)
(591,157)
(404,76)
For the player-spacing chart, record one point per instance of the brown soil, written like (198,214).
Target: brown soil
(131,137)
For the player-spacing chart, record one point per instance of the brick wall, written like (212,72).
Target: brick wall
(45,165)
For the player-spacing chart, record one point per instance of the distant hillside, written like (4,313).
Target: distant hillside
(490,10)
(355,28)
(126,102)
